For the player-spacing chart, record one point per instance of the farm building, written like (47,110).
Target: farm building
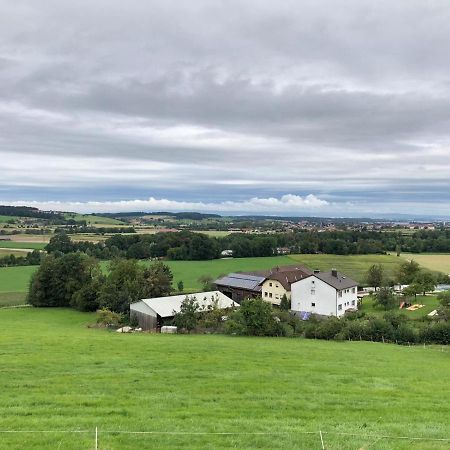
(239,286)
(279,280)
(324,293)
(151,313)
(270,285)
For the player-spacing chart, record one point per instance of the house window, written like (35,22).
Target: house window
(353,302)
(270,294)
(276,285)
(353,290)
(270,284)
(265,294)
(339,307)
(313,292)
(313,304)
(340,294)
(277,297)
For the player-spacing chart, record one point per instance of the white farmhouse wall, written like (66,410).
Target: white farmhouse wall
(315,296)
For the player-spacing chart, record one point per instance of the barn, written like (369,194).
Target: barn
(152,313)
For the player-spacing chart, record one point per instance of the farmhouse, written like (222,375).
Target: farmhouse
(270,285)
(239,286)
(151,313)
(324,293)
(279,280)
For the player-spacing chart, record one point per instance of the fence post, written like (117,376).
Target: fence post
(96,438)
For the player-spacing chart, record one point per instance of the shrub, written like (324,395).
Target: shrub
(108,318)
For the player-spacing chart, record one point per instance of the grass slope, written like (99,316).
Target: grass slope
(61,375)
(354,266)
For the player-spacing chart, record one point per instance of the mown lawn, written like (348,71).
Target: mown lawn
(430,303)
(57,374)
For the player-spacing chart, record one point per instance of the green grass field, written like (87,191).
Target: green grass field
(25,245)
(433,261)
(6,219)
(93,220)
(272,393)
(353,266)
(15,279)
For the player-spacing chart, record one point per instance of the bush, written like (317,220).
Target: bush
(108,318)
(438,333)
(405,334)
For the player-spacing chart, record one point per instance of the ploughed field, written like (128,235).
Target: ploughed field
(16,279)
(211,391)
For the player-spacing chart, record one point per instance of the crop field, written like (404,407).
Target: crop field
(212,391)
(30,238)
(437,261)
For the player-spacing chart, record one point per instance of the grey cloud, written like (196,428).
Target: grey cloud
(311,96)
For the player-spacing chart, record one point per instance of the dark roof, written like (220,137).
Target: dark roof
(286,275)
(241,280)
(338,282)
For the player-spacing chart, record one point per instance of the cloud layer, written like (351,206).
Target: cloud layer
(211,102)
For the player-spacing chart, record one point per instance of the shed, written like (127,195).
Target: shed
(152,312)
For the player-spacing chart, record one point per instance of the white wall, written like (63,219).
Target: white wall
(314,295)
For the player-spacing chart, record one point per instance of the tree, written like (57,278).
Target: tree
(407,272)
(187,317)
(426,281)
(124,285)
(385,297)
(375,275)
(60,242)
(180,286)
(285,304)
(159,279)
(413,289)
(444,309)
(254,318)
(58,279)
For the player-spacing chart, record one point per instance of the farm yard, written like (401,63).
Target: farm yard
(271,392)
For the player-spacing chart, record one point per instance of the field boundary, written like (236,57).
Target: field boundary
(321,435)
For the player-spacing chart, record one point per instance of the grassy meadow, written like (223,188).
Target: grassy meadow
(22,245)
(93,220)
(16,279)
(273,393)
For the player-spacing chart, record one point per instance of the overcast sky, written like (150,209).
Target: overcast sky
(338,107)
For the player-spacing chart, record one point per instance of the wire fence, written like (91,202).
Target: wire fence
(96,435)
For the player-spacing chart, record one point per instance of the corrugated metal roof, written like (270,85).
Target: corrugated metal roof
(241,280)
(165,306)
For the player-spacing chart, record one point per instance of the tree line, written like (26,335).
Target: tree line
(77,280)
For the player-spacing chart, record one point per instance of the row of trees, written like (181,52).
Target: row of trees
(30,259)
(256,317)
(77,280)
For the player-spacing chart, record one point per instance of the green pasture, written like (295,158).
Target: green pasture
(24,245)
(16,279)
(212,391)
(93,220)
(6,219)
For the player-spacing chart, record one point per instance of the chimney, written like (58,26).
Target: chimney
(334,273)
(316,271)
